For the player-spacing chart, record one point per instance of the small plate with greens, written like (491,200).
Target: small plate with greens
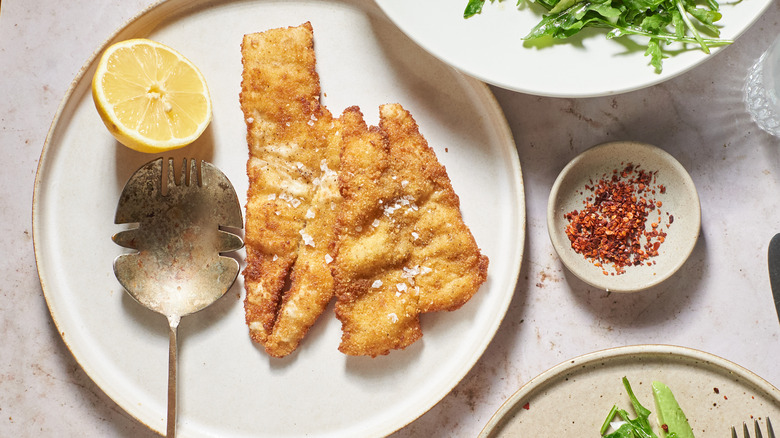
(573,48)
(596,394)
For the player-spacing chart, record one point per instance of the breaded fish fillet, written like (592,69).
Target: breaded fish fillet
(403,248)
(293,192)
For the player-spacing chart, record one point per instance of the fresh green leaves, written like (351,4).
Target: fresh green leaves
(660,22)
(473,7)
(574,19)
(639,427)
(670,412)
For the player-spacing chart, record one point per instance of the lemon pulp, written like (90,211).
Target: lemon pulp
(150,97)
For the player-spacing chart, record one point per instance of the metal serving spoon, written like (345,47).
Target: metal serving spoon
(177,269)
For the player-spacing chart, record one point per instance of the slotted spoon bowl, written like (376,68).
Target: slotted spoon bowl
(177,268)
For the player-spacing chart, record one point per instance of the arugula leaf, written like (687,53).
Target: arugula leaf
(642,422)
(669,413)
(661,22)
(624,431)
(656,54)
(643,5)
(570,21)
(638,427)
(474,7)
(563,5)
(608,420)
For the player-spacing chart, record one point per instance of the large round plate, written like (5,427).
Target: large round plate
(573,398)
(227,385)
(489,46)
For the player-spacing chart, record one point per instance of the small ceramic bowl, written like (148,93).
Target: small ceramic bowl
(679,213)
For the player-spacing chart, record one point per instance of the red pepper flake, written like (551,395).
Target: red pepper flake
(610,230)
(665,427)
(527,406)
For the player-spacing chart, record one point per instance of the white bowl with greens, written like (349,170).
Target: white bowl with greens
(491,45)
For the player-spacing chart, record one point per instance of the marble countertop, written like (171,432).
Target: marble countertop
(719,302)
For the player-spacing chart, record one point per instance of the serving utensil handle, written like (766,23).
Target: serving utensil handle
(173,323)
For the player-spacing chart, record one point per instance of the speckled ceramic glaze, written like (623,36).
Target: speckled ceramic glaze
(574,397)
(680,201)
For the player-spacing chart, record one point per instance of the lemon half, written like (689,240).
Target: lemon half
(150,97)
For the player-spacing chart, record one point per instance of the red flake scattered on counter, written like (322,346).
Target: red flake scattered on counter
(527,406)
(611,229)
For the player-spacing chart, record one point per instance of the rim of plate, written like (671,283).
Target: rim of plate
(494,424)
(44,158)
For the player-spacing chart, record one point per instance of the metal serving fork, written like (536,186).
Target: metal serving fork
(770,433)
(177,267)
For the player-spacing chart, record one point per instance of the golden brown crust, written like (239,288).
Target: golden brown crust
(403,248)
(292,197)
(336,206)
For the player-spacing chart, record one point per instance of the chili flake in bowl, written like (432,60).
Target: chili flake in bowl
(623,216)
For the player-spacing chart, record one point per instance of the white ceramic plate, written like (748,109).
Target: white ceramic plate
(227,385)
(573,398)
(680,215)
(489,46)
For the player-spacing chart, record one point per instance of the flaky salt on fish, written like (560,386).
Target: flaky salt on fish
(293,194)
(403,248)
(337,207)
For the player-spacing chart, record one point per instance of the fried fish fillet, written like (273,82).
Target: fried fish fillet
(293,194)
(403,248)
